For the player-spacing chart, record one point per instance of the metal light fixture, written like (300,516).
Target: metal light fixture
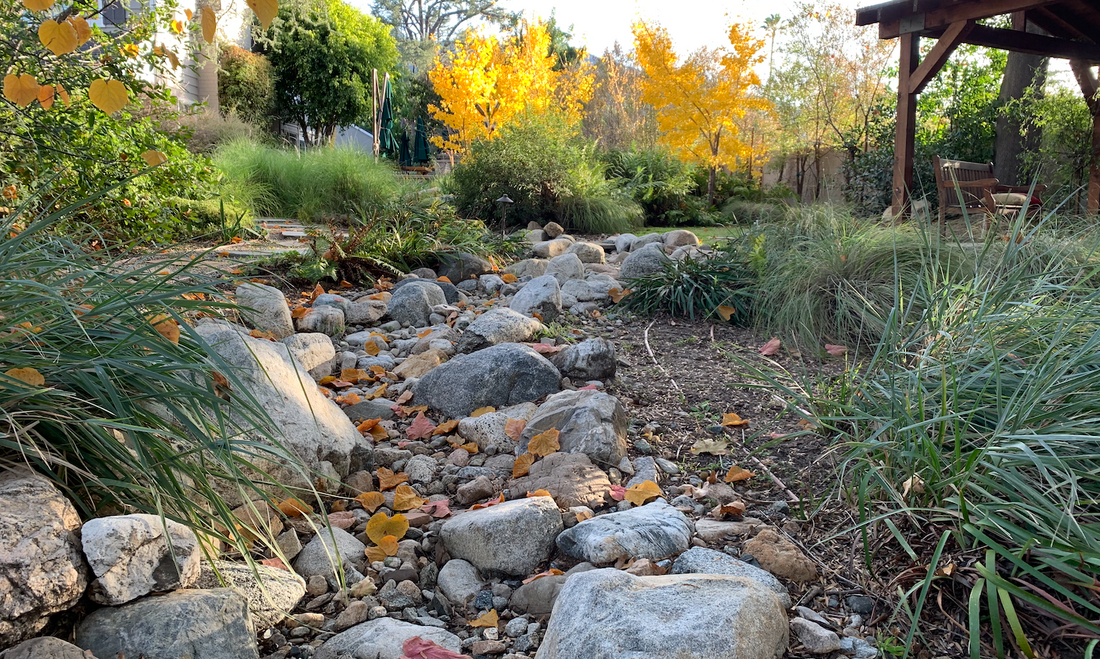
(504,201)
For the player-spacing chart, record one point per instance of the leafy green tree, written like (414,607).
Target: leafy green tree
(441,21)
(322,53)
(246,85)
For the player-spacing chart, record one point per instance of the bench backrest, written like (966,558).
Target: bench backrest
(950,171)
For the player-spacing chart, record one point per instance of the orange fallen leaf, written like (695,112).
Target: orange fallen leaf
(490,503)
(445,427)
(294,508)
(371,500)
(368,424)
(317,292)
(509,278)
(166,327)
(731,509)
(377,393)
(642,492)
(733,420)
(736,474)
(380,525)
(406,498)
(617,296)
(483,410)
(28,376)
(299,312)
(544,443)
(726,312)
(513,428)
(424,332)
(371,348)
(444,278)
(522,465)
(236,240)
(345,284)
(387,480)
(489,619)
(378,433)
(538,493)
(260,334)
(552,572)
(537,316)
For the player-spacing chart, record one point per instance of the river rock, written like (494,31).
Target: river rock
(382,639)
(589,422)
(681,237)
(652,531)
(307,424)
(570,478)
(311,349)
(780,556)
(457,266)
(459,581)
(413,301)
(707,561)
(365,311)
(265,308)
(130,556)
(609,613)
(505,374)
(814,637)
(591,359)
(566,267)
(379,408)
(528,268)
(551,248)
(587,252)
(508,538)
(45,647)
(496,326)
(450,291)
(553,230)
(197,624)
(420,365)
(641,241)
(269,600)
(648,260)
(537,597)
(488,429)
(318,557)
(541,295)
(624,241)
(42,568)
(326,320)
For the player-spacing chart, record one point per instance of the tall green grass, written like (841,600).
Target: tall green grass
(977,412)
(315,184)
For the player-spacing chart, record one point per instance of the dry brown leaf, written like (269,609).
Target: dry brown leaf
(736,474)
(405,396)
(445,427)
(368,424)
(483,410)
(377,393)
(711,446)
(406,498)
(544,443)
(771,347)
(378,433)
(380,525)
(835,350)
(617,295)
(316,292)
(490,503)
(509,278)
(489,619)
(28,376)
(513,428)
(522,465)
(642,492)
(371,348)
(387,480)
(732,420)
(726,312)
(371,500)
(582,515)
(294,508)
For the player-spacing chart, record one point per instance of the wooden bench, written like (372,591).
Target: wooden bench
(969,187)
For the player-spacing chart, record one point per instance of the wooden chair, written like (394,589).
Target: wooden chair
(971,188)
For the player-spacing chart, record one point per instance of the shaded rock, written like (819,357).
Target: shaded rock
(508,538)
(365,311)
(541,295)
(495,326)
(265,308)
(45,647)
(326,320)
(570,478)
(269,600)
(439,332)
(566,267)
(474,491)
(609,613)
(488,429)
(537,597)
(130,557)
(553,229)
(398,596)
(708,561)
(587,252)
(780,556)
(459,581)
(318,557)
(424,273)
(551,248)
(645,469)
(311,427)
(379,408)
(382,639)
(505,374)
(814,637)
(420,365)
(528,268)
(41,566)
(457,266)
(713,530)
(624,241)
(653,531)
(641,241)
(680,237)
(198,624)
(450,291)
(590,422)
(648,260)
(592,359)
(412,302)
(331,300)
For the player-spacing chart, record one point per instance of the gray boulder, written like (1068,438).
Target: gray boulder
(505,374)
(488,429)
(45,647)
(130,556)
(699,560)
(412,303)
(565,267)
(459,581)
(652,531)
(592,359)
(457,266)
(589,422)
(332,300)
(587,252)
(42,568)
(610,613)
(553,229)
(624,241)
(528,268)
(641,241)
(311,349)
(326,320)
(319,558)
(551,248)
(197,624)
(495,326)
(537,597)
(647,260)
(379,408)
(270,598)
(382,639)
(365,311)
(541,295)
(570,478)
(311,427)
(681,237)
(450,291)
(266,309)
(490,283)
(508,538)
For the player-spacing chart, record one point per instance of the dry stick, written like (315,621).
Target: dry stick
(654,358)
(791,496)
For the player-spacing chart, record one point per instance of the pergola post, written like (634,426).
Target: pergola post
(1089,87)
(905,137)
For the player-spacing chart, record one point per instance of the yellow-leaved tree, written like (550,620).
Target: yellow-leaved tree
(701,99)
(485,84)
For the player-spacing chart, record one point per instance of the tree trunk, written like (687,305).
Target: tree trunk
(712,184)
(1021,72)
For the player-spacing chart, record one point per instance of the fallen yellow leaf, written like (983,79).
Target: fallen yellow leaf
(27,375)
(380,525)
(489,619)
(522,465)
(642,492)
(545,443)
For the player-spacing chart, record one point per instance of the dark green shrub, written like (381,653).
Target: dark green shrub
(246,86)
(698,287)
(660,182)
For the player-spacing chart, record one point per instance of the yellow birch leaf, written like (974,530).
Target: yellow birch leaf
(375,554)
(389,545)
(38,5)
(20,89)
(733,420)
(189,14)
(513,428)
(152,157)
(83,30)
(60,38)
(642,492)
(209,24)
(166,327)
(406,498)
(445,428)
(45,96)
(371,500)
(538,493)
(380,525)
(29,376)
(544,443)
(176,26)
(266,10)
(110,96)
(489,619)
(371,348)
(726,311)
(522,465)
(509,278)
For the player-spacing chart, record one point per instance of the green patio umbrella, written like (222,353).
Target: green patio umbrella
(404,158)
(420,142)
(387,143)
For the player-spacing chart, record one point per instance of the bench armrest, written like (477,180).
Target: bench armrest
(980,183)
(1022,189)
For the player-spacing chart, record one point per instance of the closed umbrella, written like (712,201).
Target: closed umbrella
(387,143)
(420,142)
(404,158)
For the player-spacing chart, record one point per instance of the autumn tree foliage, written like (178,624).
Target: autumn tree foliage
(486,83)
(701,99)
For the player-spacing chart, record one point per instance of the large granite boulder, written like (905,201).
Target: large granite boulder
(270,598)
(649,260)
(265,308)
(652,531)
(497,326)
(589,422)
(134,555)
(541,295)
(413,301)
(509,538)
(505,374)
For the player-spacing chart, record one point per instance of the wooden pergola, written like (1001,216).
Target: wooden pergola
(1067,29)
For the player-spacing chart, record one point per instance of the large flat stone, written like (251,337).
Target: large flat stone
(508,538)
(652,531)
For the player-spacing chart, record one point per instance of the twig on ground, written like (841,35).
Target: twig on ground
(791,496)
(654,358)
